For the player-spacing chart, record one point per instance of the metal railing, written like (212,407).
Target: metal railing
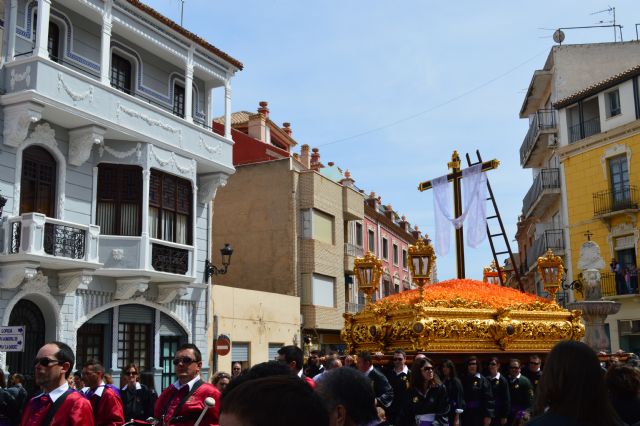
(584,130)
(609,201)
(608,283)
(551,239)
(546,179)
(353,250)
(169,259)
(64,241)
(543,119)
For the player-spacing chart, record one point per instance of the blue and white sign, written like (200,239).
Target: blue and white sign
(12,338)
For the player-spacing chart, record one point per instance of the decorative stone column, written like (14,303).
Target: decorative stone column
(42,30)
(594,309)
(105,43)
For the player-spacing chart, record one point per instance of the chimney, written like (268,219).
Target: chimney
(263,110)
(404,225)
(304,156)
(388,212)
(347,181)
(286,127)
(315,159)
(258,123)
(373,201)
(416,232)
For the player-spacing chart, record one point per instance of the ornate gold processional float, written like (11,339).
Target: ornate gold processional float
(460,315)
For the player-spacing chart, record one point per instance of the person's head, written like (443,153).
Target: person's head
(534,363)
(365,360)
(448,369)
(53,365)
(314,358)
(623,382)
(93,373)
(130,372)
(473,365)
(78,383)
(292,356)
(236,369)
(17,378)
(348,396)
(146,378)
(283,400)
(423,374)
(349,361)
(419,356)
(332,363)
(573,385)
(188,362)
(220,380)
(514,367)
(399,359)
(494,366)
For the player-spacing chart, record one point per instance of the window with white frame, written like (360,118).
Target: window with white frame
(322,290)
(385,248)
(395,254)
(613,103)
(119,198)
(372,241)
(170,208)
(404,258)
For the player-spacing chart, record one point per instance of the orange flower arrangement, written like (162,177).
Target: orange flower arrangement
(489,295)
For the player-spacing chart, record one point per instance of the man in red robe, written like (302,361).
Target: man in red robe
(105,401)
(58,403)
(182,403)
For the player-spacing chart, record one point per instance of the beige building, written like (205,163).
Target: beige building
(257,322)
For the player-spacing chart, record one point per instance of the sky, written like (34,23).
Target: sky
(388,90)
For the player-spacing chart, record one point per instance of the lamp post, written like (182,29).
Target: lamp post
(368,270)
(421,260)
(211,269)
(551,270)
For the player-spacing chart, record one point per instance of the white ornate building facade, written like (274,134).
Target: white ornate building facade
(108,169)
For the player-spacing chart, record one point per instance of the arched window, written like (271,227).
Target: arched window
(178,100)
(38,182)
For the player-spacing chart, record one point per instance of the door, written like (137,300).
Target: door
(28,314)
(619,175)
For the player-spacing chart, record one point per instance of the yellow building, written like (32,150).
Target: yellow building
(600,166)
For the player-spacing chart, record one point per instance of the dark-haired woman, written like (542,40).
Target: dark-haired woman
(454,391)
(500,391)
(137,399)
(572,390)
(428,403)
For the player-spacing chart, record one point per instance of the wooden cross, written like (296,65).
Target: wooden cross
(456,176)
(588,234)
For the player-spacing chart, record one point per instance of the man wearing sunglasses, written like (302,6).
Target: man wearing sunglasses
(534,371)
(57,405)
(105,399)
(521,392)
(181,403)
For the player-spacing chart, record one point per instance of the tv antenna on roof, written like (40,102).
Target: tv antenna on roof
(611,11)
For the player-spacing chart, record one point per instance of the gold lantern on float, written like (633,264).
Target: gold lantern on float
(551,270)
(421,260)
(491,274)
(368,270)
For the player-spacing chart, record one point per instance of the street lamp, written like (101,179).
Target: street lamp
(211,269)
(421,261)
(551,270)
(368,270)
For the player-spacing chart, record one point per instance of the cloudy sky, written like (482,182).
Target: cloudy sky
(389,89)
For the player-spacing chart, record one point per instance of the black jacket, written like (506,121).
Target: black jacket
(435,401)
(478,399)
(381,387)
(138,404)
(501,396)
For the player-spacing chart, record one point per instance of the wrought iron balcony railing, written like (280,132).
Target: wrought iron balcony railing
(37,234)
(165,258)
(546,179)
(613,200)
(543,119)
(584,130)
(551,239)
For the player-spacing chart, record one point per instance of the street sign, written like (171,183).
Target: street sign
(223,345)
(12,338)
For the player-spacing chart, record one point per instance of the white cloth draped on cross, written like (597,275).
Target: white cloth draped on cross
(474,209)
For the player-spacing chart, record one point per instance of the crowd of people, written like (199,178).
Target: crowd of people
(575,389)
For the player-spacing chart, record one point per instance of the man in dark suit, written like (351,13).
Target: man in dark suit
(398,376)
(520,390)
(534,371)
(381,386)
(294,358)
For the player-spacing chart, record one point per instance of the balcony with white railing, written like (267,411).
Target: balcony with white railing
(80,100)
(539,138)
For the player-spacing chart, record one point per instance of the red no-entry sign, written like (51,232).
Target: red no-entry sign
(223,345)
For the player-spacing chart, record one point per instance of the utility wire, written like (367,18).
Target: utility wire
(440,105)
